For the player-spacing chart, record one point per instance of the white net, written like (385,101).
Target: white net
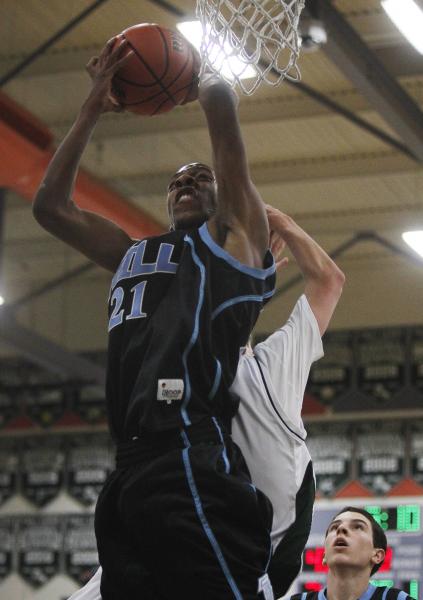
(250,41)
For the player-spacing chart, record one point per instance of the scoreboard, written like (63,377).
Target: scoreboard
(402,522)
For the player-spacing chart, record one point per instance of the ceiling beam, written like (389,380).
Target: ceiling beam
(71,59)
(48,355)
(287,171)
(353,57)
(252,109)
(25,159)
(6,77)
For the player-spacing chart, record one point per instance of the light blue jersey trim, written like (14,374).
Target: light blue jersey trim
(217,378)
(304,596)
(194,335)
(236,264)
(185,439)
(368,593)
(238,299)
(366,596)
(402,596)
(224,455)
(207,529)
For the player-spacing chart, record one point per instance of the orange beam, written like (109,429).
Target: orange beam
(25,151)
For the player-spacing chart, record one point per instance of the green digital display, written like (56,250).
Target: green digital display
(414,589)
(411,587)
(382,582)
(403,518)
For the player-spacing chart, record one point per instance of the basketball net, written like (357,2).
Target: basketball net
(250,37)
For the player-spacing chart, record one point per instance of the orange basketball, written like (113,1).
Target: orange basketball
(161,73)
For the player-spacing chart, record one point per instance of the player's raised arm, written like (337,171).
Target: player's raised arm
(99,239)
(323,279)
(240,224)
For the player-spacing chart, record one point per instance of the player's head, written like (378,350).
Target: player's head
(355,539)
(191,196)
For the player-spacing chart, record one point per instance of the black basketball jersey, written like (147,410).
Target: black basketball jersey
(372,593)
(180,307)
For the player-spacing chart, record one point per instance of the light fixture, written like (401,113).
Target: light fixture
(415,240)
(1,300)
(408,17)
(222,61)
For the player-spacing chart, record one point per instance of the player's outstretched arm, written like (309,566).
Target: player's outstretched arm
(240,224)
(323,279)
(99,239)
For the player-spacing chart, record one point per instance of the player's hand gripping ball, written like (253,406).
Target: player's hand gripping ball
(161,73)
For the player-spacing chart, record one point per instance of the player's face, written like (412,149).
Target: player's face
(191,198)
(349,544)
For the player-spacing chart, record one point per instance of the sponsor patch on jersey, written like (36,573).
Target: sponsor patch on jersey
(169,390)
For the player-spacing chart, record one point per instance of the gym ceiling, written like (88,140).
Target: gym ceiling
(342,153)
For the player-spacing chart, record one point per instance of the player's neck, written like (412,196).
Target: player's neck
(346,584)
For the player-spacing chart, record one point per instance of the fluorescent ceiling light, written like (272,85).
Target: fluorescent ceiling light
(415,240)
(222,61)
(408,17)
(1,300)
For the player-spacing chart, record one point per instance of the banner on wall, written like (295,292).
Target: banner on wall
(80,548)
(417,358)
(46,405)
(382,355)
(7,545)
(39,543)
(90,404)
(416,452)
(330,447)
(90,459)
(42,468)
(9,460)
(330,377)
(380,455)
(9,407)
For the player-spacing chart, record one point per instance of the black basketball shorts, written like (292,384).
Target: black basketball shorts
(180,519)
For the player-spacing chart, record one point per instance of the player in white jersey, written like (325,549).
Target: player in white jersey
(270,384)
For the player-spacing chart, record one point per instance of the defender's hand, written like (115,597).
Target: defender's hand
(277,222)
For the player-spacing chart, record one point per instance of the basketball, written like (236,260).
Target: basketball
(161,73)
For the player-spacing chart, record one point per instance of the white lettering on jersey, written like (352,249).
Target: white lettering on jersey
(265,586)
(133,263)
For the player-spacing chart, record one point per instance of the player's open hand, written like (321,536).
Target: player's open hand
(101,69)
(277,246)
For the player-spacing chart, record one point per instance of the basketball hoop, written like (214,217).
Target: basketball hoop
(257,38)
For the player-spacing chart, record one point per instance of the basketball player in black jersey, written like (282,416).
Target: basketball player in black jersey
(180,501)
(355,547)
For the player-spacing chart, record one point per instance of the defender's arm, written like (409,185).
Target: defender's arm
(323,278)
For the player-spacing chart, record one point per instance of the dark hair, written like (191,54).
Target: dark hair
(379,537)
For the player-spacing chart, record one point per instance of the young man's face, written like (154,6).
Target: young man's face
(349,543)
(192,197)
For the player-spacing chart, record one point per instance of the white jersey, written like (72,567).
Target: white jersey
(269,430)
(268,427)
